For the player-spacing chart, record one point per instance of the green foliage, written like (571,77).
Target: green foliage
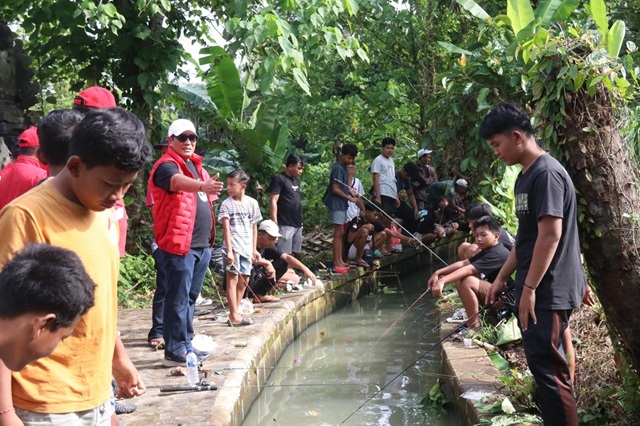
(132,47)
(522,389)
(498,192)
(435,401)
(137,281)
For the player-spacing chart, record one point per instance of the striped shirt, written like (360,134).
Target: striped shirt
(242,216)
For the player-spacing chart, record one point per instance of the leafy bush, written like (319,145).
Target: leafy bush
(137,281)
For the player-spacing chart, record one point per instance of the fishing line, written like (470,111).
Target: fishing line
(397,320)
(396,223)
(455,330)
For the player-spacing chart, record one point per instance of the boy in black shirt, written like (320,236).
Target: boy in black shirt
(473,277)
(473,213)
(550,280)
(275,262)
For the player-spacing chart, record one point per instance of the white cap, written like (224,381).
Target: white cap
(270,227)
(463,183)
(180,126)
(424,152)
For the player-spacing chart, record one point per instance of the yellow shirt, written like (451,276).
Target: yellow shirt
(77,375)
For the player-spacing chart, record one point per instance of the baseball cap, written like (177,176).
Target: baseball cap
(463,183)
(424,152)
(29,138)
(180,126)
(270,227)
(95,97)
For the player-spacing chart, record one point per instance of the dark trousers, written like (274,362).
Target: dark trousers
(185,276)
(262,285)
(547,362)
(157,308)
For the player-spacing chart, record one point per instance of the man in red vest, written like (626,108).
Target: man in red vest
(184,231)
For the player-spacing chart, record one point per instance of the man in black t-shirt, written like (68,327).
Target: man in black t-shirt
(285,205)
(273,265)
(473,277)
(550,280)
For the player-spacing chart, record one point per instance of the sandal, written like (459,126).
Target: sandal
(156,343)
(245,321)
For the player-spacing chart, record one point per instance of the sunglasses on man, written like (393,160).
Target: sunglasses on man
(183,138)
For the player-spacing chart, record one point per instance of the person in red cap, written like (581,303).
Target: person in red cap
(94,97)
(26,171)
(85,101)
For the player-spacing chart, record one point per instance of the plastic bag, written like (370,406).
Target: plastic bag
(509,331)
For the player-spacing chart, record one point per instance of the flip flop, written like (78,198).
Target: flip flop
(157,343)
(341,269)
(245,321)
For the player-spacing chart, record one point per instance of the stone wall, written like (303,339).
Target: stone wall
(17,92)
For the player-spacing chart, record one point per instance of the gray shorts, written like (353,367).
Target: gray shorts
(99,416)
(337,217)
(291,240)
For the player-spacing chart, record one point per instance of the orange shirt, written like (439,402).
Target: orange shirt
(77,376)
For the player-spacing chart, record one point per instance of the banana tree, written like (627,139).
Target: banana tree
(247,127)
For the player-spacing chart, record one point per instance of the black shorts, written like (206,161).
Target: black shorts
(389,204)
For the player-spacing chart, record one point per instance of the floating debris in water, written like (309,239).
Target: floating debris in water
(322,333)
(313,413)
(297,361)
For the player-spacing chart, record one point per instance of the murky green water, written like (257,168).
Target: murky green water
(335,366)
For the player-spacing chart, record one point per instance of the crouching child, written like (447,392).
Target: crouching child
(473,277)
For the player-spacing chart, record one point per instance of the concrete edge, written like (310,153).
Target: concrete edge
(469,369)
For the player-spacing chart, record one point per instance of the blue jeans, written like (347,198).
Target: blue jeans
(157,309)
(185,276)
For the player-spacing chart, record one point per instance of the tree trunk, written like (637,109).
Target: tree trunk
(606,178)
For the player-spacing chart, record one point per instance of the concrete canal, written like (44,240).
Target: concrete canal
(341,368)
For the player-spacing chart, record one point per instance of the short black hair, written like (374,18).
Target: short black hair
(477,210)
(372,205)
(239,174)
(489,222)
(111,136)
(54,133)
(411,169)
(505,117)
(294,159)
(349,149)
(46,279)
(27,150)
(388,141)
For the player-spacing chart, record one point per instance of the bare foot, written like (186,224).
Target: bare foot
(267,298)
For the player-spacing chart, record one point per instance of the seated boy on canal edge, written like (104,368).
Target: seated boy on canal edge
(473,277)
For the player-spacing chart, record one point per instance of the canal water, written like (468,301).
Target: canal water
(335,366)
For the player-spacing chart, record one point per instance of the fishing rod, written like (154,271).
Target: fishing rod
(399,318)
(455,330)
(396,223)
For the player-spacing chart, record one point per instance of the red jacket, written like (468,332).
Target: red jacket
(20,177)
(174,214)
